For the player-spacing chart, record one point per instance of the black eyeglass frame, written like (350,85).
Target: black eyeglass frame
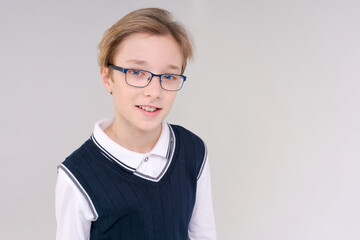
(124,70)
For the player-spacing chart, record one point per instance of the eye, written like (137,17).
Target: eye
(135,72)
(170,77)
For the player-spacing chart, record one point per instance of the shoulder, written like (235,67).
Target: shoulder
(72,164)
(80,164)
(79,155)
(183,132)
(193,146)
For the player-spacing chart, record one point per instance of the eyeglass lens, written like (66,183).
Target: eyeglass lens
(140,78)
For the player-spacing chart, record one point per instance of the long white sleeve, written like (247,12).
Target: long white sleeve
(73,213)
(202,223)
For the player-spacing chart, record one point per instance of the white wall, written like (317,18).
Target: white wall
(274,91)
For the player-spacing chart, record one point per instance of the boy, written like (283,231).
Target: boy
(138,177)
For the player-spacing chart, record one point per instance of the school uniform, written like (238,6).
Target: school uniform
(105,191)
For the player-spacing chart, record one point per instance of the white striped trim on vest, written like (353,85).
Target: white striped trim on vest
(203,162)
(81,189)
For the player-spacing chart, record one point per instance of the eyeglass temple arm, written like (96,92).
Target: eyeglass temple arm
(116,67)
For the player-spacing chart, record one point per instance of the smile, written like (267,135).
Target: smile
(148,108)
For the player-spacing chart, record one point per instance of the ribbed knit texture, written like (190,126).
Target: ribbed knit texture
(134,208)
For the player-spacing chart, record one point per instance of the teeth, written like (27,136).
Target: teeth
(146,108)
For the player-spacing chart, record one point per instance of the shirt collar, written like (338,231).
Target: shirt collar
(123,155)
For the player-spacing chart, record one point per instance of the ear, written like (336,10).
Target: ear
(106,78)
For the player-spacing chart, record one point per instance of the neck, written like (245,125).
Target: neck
(133,139)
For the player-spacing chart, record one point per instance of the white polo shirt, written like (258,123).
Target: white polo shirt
(74,214)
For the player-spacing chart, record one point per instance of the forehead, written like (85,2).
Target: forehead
(149,50)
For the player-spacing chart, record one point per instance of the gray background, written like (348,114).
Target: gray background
(273,89)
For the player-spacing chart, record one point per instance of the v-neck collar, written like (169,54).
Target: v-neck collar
(128,159)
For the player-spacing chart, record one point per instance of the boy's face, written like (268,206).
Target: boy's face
(157,54)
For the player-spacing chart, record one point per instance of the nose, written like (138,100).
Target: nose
(154,88)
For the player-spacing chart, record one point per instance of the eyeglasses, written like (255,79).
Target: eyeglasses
(141,78)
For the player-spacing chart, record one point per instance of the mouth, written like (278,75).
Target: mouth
(148,108)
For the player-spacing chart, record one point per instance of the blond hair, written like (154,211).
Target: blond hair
(147,20)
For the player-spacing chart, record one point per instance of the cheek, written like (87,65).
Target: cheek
(171,98)
(121,98)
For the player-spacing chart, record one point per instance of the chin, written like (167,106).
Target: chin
(149,126)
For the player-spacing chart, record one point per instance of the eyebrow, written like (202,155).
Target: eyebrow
(144,63)
(139,62)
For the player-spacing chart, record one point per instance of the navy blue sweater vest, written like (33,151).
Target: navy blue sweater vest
(130,207)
